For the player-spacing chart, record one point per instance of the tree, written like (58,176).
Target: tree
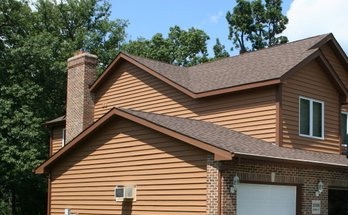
(275,23)
(256,23)
(240,22)
(20,148)
(82,25)
(219,50)
(182,48)
(34,47)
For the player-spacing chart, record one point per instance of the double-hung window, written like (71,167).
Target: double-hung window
(311,118)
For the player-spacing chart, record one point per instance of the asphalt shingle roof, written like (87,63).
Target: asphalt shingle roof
(236,142)
(266,64)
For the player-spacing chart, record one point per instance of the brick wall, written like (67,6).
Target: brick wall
(305,177)
(212,185)
(79,111)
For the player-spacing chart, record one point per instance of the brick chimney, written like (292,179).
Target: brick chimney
(79,105)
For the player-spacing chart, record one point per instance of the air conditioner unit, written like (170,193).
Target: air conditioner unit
(125,192)
(67,211)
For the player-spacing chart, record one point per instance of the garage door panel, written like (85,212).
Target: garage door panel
(266,199)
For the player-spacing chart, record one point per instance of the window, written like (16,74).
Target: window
(344,129)
(311,118)
(63,137)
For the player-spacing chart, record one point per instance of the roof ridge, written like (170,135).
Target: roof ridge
(263,49)
(153,60)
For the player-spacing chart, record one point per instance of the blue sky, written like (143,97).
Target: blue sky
(148,17)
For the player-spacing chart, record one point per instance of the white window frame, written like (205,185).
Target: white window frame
(345,113)
(311,118)
(63,137)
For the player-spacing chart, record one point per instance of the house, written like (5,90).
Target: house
(260,133)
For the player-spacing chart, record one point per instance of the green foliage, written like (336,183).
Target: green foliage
(256,23)
(34,47)
(219,50)
(82,25)
(183,48)
(275,22)
(240,22)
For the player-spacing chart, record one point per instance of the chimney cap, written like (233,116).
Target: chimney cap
(82,54)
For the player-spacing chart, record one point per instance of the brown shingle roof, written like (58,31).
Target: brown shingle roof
(237,143)
(266,64)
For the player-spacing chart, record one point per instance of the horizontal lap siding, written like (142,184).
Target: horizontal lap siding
(251,112)
(134,88)
(170,175)
(56,139)
(311,82)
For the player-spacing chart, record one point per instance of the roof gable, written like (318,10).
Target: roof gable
(331,40)
(143,64)
(219,152)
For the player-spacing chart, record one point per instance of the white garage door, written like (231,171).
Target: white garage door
(259,199)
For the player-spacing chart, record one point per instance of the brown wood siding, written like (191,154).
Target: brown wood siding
(56,139)
(252,112)
(311,82)
(335,63)
(170,175)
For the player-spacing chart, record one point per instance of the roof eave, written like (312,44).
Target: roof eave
(291,160)
(264,83)
(54,124)
(59,121)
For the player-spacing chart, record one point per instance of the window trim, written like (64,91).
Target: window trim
(311,118)
(345,113)
(63,137)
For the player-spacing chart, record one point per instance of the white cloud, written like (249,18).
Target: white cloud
(313,17)
(215,18)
